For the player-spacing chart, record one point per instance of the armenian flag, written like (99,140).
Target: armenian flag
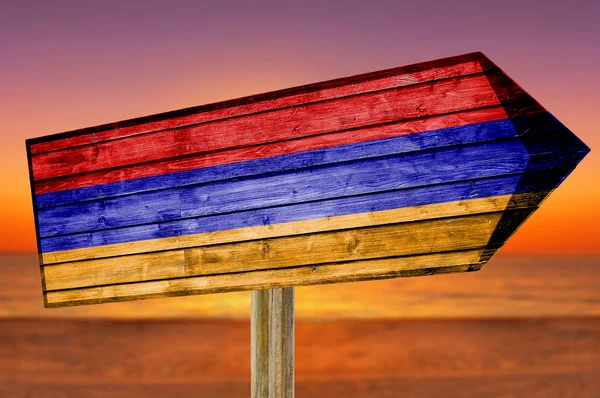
(422,169)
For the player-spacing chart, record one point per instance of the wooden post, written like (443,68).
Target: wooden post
(272,343)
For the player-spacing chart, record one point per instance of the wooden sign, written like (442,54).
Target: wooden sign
(417,170)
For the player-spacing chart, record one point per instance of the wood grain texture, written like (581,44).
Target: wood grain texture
(281,374)
(358,220)
(396,77)
(209,159)
(180,164)
(260,343)
(272,343)
(405,239)
(272,216)
(317,118)
(481,160)
(428,264)
(421,169)
(446,130)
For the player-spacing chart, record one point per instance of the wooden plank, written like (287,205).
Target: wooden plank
(260,327)
(298,186)
(438,235)
(403,239)
(281,372)
(447,130)
(359,177)
(140,267)
(272,149)
(272,166)
(272,343)
(406,214)
(393,199)
(396,77)
(305,120)
(307,275)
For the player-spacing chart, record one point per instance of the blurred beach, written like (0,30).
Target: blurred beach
(523,326)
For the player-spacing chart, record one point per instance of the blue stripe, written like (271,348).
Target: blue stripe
(478,132)
(530,182)
(553,149)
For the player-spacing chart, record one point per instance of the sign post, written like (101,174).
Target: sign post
(418,170)
(272,343)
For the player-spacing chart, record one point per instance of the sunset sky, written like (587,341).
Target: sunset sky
(72,64)
(527,324)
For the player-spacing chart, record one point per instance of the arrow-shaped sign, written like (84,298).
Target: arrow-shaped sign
(417,170)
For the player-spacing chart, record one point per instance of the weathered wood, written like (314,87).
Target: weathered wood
(388,105)
(441,158)
(445,130)
(281,358)
(260,329)
(388,200)
(337,180)
(135,268)
(272,343)
(396,77)
(428,264)
(405,214)
(412,238)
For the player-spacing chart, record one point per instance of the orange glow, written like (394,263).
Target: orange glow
(566,223)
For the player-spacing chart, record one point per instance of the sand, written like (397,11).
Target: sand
(342,358)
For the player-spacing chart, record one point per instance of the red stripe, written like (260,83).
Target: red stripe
(398,77)
(274,149)
(317,118)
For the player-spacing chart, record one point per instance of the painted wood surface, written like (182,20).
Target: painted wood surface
(439,161)
(441,235)
(260,344)
(273,217)
(396,77)
(290,146)
(357,220)
(343,179)
(417,265)
(307,120)
(372,147)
